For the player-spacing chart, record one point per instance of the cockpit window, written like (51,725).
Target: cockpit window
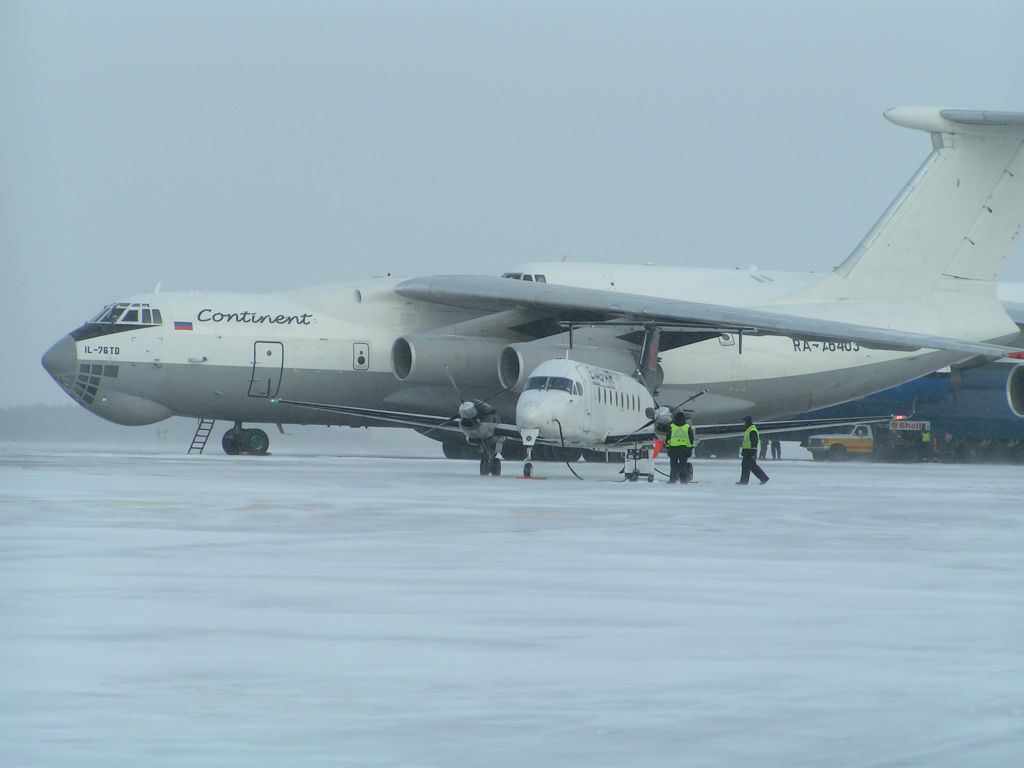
(128,314)
(521,276)
(559,383)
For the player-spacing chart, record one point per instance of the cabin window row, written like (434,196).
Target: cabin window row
(619,399)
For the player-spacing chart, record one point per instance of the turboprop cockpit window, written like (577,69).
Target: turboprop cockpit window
(559,383)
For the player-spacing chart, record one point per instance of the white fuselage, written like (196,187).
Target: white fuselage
(230,356)
(581,405)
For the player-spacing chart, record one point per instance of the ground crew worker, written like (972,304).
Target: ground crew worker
(680,447)
(924,448)
(748,452)
(776,449)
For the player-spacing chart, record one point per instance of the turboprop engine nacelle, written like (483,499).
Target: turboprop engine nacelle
(426,358)
(518,360)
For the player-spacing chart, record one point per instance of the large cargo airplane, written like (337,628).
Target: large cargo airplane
(917,294)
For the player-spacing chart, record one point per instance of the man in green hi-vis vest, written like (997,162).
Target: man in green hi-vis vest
(680,447)
(748,452)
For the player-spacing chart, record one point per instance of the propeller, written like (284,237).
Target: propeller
(662,417)
(469,411)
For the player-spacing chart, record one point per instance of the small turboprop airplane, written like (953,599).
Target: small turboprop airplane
(566,404)
(918,294)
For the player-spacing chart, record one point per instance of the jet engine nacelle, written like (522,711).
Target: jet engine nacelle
(518,360)
(426,358)
(1015,390)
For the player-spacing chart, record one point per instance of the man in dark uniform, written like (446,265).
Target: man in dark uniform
(680,447)
(749,454)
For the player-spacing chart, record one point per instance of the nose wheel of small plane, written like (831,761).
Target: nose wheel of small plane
(528,469)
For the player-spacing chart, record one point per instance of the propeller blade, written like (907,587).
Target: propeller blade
(689,399)
(454,385)
(444,423)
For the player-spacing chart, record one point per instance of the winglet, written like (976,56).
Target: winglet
(953,121)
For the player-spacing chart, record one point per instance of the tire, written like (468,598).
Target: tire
(230,442)
(496,467)
(837,453)
(255,441)
(689,473)
(650,478)
(528,470)
(485,466)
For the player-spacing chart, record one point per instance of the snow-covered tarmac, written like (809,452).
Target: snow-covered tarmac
(292,610)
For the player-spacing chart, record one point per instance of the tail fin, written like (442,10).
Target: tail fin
(954,223)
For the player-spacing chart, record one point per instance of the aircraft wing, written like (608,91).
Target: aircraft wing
(420,421)
(589,304)
(708,431)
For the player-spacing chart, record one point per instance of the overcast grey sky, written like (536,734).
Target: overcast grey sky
(263,145)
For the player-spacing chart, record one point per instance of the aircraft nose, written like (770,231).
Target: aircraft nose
(530,417)
(61,361)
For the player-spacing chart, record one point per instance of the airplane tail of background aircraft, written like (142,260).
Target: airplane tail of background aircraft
(947,234)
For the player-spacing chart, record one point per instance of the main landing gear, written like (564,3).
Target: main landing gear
(490,465)
(245,441)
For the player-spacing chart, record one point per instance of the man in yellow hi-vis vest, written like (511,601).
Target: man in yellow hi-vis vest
(680,447)
(748,452)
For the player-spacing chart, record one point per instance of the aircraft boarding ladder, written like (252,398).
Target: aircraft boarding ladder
(202,434)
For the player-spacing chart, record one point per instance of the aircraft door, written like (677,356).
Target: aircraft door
(267,367)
